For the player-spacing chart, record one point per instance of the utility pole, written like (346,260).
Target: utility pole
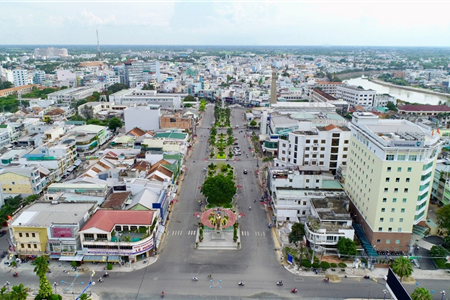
(98,48)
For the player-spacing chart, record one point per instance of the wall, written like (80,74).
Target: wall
(15,184)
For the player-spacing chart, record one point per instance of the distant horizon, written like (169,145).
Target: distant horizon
(218,45)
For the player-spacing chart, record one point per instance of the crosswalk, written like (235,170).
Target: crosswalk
(194,232)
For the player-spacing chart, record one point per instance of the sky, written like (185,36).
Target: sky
(302,23)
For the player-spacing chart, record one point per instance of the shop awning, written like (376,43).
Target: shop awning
(94,258)
(54,256)
(78,257)
(113,258)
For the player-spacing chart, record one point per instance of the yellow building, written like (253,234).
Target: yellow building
(30,240)
(21,180)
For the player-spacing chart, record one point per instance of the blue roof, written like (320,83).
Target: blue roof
(364,241)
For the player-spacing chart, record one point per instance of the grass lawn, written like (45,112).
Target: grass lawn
(221,156)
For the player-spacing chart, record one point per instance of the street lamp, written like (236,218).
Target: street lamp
(385,292)
(443,294)
(7,285)
(54,285)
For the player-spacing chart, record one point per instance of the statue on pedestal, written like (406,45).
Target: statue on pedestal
(218,221)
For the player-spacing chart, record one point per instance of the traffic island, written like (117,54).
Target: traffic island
(218,230)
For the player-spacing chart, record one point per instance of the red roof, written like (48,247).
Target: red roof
(106,219)
(424,108)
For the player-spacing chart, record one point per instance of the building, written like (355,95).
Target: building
(323,146)
(178,121)
(145,97)
(6,135)
(381,100)
(20,77)
(440,111)
(74,94)
(390,169)
(39,77)
(144,117)
(116,236)
(356,96)
(328,87)
(89,137)
(441,184)
(22,180)
(16,90)
(50,53)
(50,229)
(134,72)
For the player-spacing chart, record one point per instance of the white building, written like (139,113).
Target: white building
(143,117)
(66,78)
(381,100)
(50,53)
(326,147)
(144,97)
(74,94)
(39,77)
(20,77)
(5,136)
(356,96)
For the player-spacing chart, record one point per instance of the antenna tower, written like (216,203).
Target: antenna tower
(98,48)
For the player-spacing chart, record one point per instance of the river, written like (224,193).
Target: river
(398,93)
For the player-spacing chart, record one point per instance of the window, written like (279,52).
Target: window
(101,236)
(396,190)
(390,157)
(409,169)
(33,235)
(307,180)
(20,234)
(322,148)
(409,179)
(29,246)
(13,182)
(394,200)
(378,241)
(322,141)
(308,141)
(400,157)
(35,246)
(389,169)
(397,179)
(27,234)
(387,179)
(399,229)
(405,190)
(384,199)
(381,219)
(386,190)
(22,246)
(380,228)
(390,229)
(402,210)
(412,158)
(392,210)
(400,220)
(404,200)
(388,241)
(306,148)
(383,209)
(397,242)
(391,220)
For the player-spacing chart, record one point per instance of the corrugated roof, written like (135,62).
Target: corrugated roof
(106,219)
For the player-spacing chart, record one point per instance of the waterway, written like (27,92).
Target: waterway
(398,93)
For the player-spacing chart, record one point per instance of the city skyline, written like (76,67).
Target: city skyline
(257,23)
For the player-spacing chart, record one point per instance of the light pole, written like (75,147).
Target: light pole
(54,285)
(385,292)
(7,285)
(443,294)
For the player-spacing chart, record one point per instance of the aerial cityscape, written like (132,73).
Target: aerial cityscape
(224,150)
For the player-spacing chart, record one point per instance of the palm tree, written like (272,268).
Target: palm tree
(402,267)
(41,265)
(19,292)
(421,294)
(84,297)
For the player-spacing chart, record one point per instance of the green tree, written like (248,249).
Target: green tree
(116,87)
(219,189)
(253,123)
(391,106)
(443,217)
(402,267)
(19,292)
(189,98)
(149,86)
(421,293)
(346,246)
(87,112)
(6,85)
(297,233)
(114,123)
(41,268)
(84,297)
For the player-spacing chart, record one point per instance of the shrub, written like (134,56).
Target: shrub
(325,265)
(109,267)
(316,265)
(74,264)
(334,265)
(306,263)
(342,265)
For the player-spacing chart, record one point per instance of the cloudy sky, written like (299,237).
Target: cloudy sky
(363,22)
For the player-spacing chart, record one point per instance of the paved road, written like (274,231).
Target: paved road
(256,263)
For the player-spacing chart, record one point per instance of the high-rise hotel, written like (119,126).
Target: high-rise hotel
(389,177)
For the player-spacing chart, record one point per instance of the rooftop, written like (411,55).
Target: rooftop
(106,219)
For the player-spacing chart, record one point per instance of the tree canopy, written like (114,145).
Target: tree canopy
(116,87)
(6,85)
(346,246)
(402,267)
(421,293)
(219,190)
(297,233)
(253,123)
(443,217)
(189,98)
(114,123)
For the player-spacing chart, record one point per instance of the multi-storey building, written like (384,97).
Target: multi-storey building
(142,97)
(356,96)
(328,87)
(39,77)
(74,94)
(20,77)
(389,176)
(143,117)
(323,146)
(135,72)
(50,53)
(22,180)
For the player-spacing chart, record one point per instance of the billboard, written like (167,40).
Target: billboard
(62,232)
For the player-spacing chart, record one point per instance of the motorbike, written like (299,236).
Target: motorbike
(162,295)
(106,275)
(366,277)
(16,274)
(326,279)
(294,291)
(194,278)
(100,279)
(241,283)
(280,283)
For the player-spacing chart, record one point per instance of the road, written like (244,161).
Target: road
(256,263)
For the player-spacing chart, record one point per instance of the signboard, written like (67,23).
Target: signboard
(62,232)
(406,144)
(289,259)
(137,249)
(395,287)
